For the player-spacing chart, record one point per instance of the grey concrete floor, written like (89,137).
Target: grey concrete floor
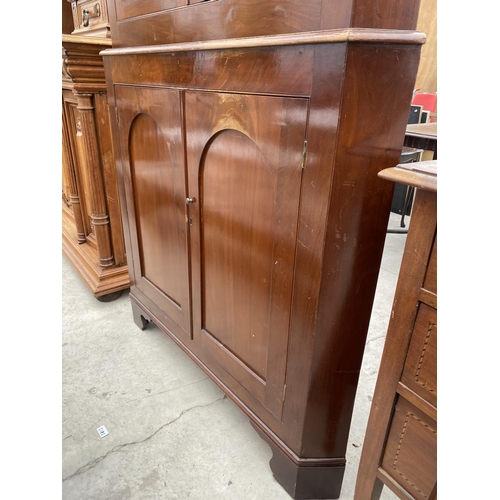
(173,435)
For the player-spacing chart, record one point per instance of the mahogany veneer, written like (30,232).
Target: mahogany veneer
(254,215)
(152,22)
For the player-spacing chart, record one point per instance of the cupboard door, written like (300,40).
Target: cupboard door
(150,135)
(245,155)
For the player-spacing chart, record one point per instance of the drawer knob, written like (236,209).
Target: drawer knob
(190,201)
(87,14)
(86,17)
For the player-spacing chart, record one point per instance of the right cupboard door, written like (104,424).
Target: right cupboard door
(245,158)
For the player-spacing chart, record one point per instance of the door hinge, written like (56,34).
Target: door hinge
(284,392)
(304,155)
(117,116)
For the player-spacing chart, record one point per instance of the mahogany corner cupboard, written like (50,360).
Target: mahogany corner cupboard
(255,220)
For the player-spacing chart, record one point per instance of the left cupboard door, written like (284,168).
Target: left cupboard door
(152,153)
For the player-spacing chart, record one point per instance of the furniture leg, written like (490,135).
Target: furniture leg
(408,198)
(109,297)
(378,486)
(139,318)
(304,480)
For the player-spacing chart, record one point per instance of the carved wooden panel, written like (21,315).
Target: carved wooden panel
(92,228)
(90,18)
(70,188)
(78,163)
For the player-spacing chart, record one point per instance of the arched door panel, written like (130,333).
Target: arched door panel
(244,174)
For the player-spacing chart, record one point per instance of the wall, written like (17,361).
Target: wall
(427,23)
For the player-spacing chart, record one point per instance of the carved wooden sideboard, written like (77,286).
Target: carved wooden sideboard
(400,448)
(253,213)
(92,234)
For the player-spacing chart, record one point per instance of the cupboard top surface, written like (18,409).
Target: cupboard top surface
(354,35)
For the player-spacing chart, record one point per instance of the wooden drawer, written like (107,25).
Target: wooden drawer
(90,17)
(420,368)
(126,9)
(411,451)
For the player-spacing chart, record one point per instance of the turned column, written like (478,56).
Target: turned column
(99,215)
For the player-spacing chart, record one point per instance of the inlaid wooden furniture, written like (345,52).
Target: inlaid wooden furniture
(254,218)
(400,447)
(92,233)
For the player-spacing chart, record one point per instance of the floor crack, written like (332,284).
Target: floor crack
(375,338)
(164,392)
(119,447)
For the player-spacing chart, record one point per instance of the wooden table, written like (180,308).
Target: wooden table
(399,450)
(422,136)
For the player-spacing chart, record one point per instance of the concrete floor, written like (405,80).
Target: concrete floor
(173,435)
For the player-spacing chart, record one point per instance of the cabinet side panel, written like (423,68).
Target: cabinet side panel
(322,136)
(378,88)
(385,14)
